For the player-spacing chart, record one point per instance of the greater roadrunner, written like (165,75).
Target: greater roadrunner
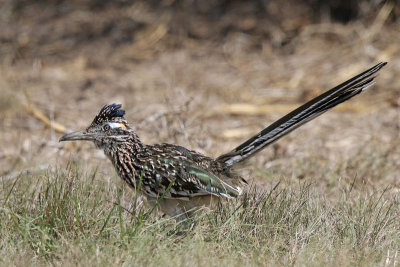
(180,180)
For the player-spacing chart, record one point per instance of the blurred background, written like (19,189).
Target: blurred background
(205,75)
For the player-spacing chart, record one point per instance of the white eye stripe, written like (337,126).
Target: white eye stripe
(115,125)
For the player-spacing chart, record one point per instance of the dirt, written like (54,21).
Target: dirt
(177,69)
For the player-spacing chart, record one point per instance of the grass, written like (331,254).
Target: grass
(71,217)
(326,200)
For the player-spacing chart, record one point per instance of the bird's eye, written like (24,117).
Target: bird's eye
(106,127)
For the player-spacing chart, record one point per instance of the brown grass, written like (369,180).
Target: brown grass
(187,78)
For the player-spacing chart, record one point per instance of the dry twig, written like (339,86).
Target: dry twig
(35,112)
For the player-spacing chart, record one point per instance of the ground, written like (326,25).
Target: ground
(206,80)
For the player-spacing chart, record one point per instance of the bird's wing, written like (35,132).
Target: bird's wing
(181,175)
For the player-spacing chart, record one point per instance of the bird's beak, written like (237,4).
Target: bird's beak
(78,135)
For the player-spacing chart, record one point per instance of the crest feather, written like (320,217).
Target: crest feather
(110,112)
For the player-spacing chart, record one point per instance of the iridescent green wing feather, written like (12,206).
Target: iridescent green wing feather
(190,179)
(210,183)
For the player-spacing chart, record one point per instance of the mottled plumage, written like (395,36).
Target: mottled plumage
(180,179)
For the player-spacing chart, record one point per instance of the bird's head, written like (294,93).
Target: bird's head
(109,126)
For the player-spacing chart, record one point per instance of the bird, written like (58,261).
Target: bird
(180,181)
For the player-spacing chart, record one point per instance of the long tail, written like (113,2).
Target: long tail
(301,115)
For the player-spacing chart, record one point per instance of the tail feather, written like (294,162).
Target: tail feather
(301,115)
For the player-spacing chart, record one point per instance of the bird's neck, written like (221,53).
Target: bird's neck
(124,156)
(130,147)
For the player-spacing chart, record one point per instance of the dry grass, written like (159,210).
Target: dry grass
(189,78)
(72,217)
